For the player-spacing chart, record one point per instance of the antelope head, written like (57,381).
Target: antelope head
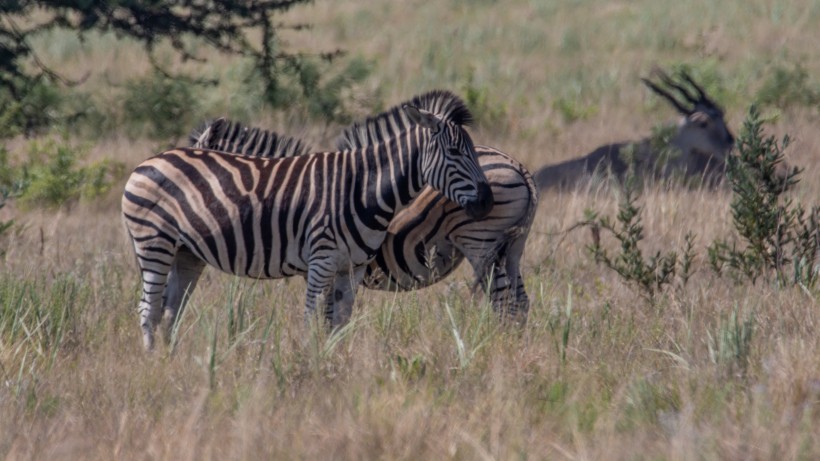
(703,129)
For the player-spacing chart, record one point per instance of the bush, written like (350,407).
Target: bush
(10,188)
(311,87)
(777,234)
(573,109)
(38,107)
(780,239)
(489,114)
(787,87)
(46,107)
(51,176)
(159,106)
(228,26)
(327,100)
(650,275)
(5,194)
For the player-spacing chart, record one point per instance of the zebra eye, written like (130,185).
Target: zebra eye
(454,151)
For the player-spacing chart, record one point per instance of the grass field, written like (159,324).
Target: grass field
(714,370)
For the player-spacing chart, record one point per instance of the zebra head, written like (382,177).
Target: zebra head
(703,127)
(450,164)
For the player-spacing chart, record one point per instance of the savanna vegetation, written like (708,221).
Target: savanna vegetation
(675,323)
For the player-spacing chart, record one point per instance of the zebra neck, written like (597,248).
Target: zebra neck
(391,174)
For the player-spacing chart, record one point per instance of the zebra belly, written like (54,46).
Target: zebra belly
(255,259)
(392,271)
(250,247)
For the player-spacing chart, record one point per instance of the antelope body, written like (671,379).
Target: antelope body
(696,148)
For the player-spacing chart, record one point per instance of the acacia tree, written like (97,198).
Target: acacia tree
(222,24)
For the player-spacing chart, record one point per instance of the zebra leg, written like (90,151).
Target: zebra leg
(344,293)
(498,273)
(494,279)
(518,309)
(490,274)
(320,279)
(495,283)
(154,274)
(182,280)
(506,291)
(509,299)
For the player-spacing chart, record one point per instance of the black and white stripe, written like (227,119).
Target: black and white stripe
(430,238)
(227,136)
(323,216)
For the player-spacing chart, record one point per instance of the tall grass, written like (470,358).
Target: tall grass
(713,371)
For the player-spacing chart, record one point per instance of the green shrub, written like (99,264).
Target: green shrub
(787,87)
(326,100)
(780,239)
(777,234)
(573,109)
(4,225)
(159,106)
(36,109)
(92,115)
(46,106)
(10,187)
(52,176)
(8,175)
(650,275)
(489,114)
(310,87)
(731,345)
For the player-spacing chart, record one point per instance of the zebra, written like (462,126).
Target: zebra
(322,215)
(430,238)
(697,147)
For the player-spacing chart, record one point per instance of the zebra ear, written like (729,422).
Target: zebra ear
(218,128)
(211,133)
(219,122)
(423,118)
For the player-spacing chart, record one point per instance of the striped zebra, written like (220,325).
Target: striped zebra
(321,215)
(430,238)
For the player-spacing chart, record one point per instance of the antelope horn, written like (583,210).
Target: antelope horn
(704,99)
(681,89)
(668,96)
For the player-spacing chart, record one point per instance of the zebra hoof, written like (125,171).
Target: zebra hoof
(147,338)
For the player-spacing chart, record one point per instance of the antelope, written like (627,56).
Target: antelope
(696,148)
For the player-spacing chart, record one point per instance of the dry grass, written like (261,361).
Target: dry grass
(597,373)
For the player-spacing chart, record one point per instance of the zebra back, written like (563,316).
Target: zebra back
(375,129)
(233,137)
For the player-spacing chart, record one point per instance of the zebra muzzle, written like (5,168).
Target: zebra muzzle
(483,204)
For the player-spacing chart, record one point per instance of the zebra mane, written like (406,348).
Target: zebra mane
(236,138)
(374,130)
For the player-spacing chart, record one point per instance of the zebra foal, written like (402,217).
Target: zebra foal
(323,215)
(430,238)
